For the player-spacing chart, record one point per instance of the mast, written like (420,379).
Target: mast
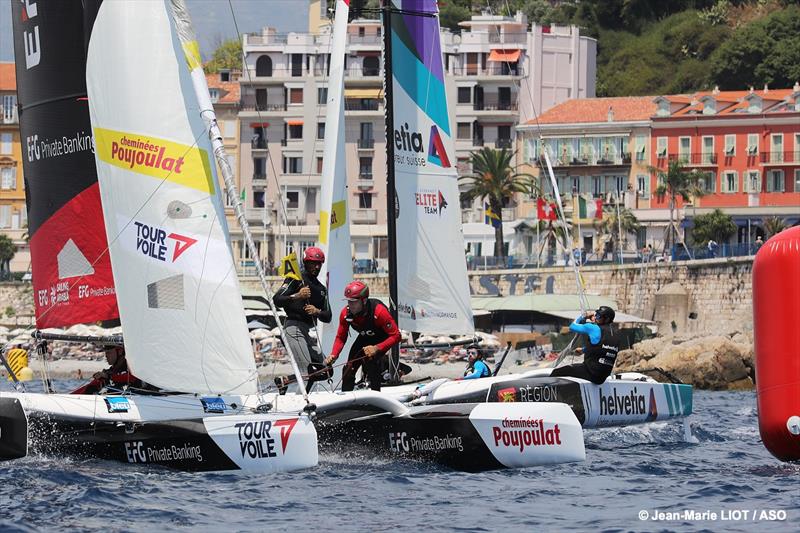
(391,193)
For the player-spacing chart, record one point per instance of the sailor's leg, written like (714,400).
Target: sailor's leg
(372,368)
(297,337)
(573,371)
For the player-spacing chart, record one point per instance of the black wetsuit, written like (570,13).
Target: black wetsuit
(294,308)
(598,359)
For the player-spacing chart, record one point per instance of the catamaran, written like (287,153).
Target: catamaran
(154,143)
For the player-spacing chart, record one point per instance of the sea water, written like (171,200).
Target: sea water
(715,476)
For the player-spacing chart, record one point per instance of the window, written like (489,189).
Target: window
(775,181)
(796,149)
(730,181)
(8,178)
(292,199)
(5,143)
(708,182)
(295,131)
(319,165)
(311,200)
(752,144)
(365,200)
(229,129)
(643,185)
(365,168)
(641,148)
(620,183)
(259,168)
(213,95)
(684,148)
(661,147)
(372,66)
(224,75)
(295,96)
(464,95)
(597,186)
(752,181)
(292,165)
(320,130)
(322,95)
(264,66)
(464,130)
(576,185)
(708,150)
(258,199)
(504,133)
(776,155)
(5,216)
(797,180)
(361,31)
(730,145)
(365,129)
(9,107)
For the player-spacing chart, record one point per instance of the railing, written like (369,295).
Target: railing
(780,157)
(495,106)
(501,70)
(507,38)
(274,72)
(273,38)
(365,175)
(258,144)
(10,118)
(251,106)
(365,39)
(477,141)
(679,253)
(361,104)
(364,216)
(364,183)
(566,160)
(503,143)
(703,158)
(366,144)
(259,176)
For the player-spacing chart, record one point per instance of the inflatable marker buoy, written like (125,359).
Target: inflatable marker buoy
(26,374)
(776,322)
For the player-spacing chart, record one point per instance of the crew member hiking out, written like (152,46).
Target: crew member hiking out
(600,350)
(305,301)
(477,367)
(377,333)
(117,377)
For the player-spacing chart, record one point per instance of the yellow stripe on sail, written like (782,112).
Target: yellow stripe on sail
(336,219)
(162,159)
(192,52)
(324,226)
(289,267)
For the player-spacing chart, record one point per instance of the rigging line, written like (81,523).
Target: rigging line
(246,71)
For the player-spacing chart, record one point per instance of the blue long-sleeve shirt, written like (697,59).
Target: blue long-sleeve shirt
(479,370)
(592,330)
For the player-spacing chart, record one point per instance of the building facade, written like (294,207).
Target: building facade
(13,211)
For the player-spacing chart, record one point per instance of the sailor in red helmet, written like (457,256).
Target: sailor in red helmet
(305,301)
(377,333)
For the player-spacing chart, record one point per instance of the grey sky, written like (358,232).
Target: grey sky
(213,21)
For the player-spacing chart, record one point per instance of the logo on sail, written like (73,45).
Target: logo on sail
(436,152)
(152,242)
(431,201)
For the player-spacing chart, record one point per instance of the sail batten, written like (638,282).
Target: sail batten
(178,293)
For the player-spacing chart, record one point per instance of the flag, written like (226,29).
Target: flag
(243,195)
(290,268)
(590,208)
(491,217)
(546,210)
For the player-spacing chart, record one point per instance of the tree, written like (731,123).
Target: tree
(610,224)
(7,252)
(676,182)
(774,225)
(495,182)
(716,225)
(228,55)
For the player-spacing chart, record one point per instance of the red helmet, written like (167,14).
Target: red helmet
(356,290)
(313,253)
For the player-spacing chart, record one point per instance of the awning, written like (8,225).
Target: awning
(259,124)
(294,122)
(363,93)
(543,303)
(510,56)
(619,318)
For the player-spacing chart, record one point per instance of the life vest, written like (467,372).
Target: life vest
(599,358)
(364,323)
(485,372)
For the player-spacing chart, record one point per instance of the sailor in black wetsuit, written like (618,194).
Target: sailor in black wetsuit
(600,350)
(305,302)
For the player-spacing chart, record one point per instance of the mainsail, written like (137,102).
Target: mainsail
(179,298)
(334,232)
(72,279)
(432,286)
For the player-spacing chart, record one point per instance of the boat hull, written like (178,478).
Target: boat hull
(181,432)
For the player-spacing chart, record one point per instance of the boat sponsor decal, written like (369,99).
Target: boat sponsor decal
(407,310)
(286,425)
(153,242)
(436,151)
(524,433)
(430,201)
(214,405)
(400,441)
(159,158)
(38,149)
(509,394)
(539,390)
(138,452)
(118,404)
(632,403)
(255,440)
(33,46)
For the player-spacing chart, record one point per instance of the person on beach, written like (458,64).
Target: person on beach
(477,367)
(305,301)
(600,348)
(377,333)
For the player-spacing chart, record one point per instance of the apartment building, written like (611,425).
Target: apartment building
(746,144)
(13,212)
(494,69)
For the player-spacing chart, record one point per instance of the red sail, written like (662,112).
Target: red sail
(72,277)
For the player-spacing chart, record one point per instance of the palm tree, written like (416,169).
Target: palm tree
(7,252)
(774,225)
(495,181)
(674,182)
(613,218)
(552,233)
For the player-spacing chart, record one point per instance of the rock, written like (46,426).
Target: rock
(742,384)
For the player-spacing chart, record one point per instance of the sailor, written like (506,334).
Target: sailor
(600,350)
(377,333)
(305,301)
(116,376)
(477,367)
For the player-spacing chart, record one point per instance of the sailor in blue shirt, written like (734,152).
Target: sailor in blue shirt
(477,366)
(600,350)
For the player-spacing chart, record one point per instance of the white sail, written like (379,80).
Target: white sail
(433,290)
(177,289)
(334,229)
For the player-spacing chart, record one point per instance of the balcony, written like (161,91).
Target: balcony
(365,176)
(10,117)
(258,176)
(495,106)
(365,39)
(293,216)
(503,143)
(362,72)
(366,144)
(252,106)
(606,160)
(500,70)
(477,141)
(362,104)
(780,158)
(258,144)
(365,184)
(364,216)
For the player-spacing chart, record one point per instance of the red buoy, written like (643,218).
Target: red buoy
(776,322)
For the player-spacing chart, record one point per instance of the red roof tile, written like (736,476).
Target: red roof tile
(625,108)
(8,77)
(229,91)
